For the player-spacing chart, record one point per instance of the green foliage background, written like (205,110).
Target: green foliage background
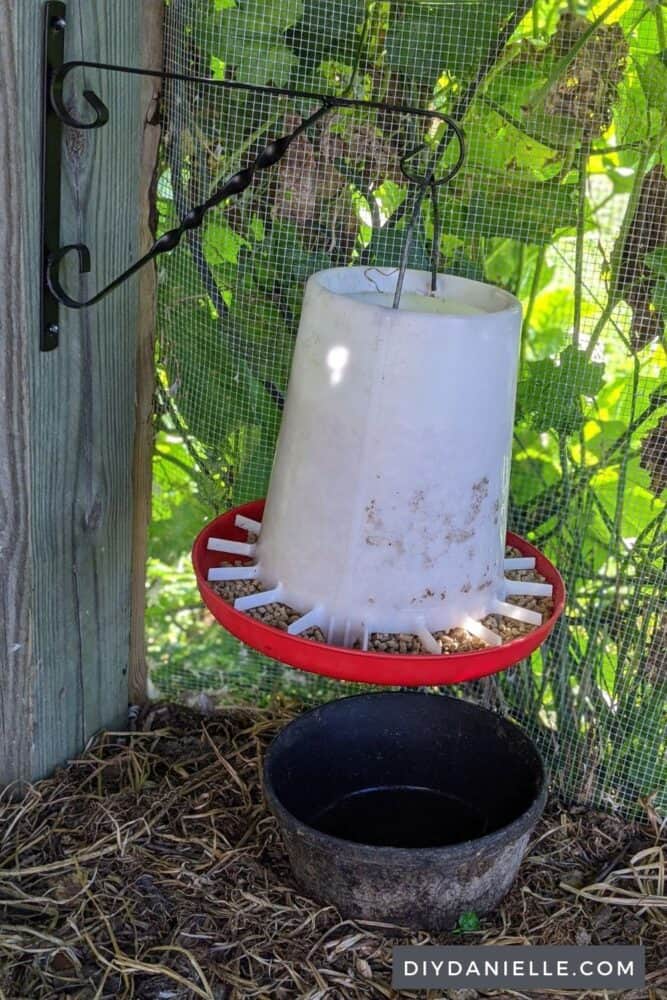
(562,200)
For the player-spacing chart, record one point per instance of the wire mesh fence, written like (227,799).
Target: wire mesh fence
(562,200)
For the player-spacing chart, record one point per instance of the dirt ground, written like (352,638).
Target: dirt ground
(149,868)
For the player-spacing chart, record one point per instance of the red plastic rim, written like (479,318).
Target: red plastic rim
(352,664)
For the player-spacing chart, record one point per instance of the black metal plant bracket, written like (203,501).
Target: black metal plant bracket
(56,114)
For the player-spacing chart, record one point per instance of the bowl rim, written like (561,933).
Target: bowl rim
(383,854)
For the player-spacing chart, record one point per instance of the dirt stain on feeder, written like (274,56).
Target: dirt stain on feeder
(395,544)
(480,491)
(416,501)
(425,595)
(458,536)
(372,515)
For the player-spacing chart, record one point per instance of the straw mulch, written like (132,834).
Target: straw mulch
(150,868)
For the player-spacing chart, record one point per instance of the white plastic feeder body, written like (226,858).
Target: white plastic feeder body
(387,505)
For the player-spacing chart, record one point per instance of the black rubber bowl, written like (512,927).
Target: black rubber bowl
(405,807)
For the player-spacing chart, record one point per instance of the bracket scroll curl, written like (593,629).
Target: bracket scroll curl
(57,96)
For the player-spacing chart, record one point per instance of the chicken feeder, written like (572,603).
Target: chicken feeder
(387,504)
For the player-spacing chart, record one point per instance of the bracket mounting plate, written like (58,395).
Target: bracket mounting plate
(52,134)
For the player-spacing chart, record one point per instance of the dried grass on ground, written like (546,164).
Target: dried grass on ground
(150,868)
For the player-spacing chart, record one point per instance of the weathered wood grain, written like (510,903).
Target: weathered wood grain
(16,654)
(153,18)
(66,451)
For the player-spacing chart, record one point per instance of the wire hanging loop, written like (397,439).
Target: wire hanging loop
(238,182)
(428,184)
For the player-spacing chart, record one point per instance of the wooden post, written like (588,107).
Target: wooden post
(143,439)
(68,417)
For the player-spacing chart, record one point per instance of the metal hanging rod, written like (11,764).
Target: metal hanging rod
(56,115)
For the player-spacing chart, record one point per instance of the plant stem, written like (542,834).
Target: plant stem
(617,255)
(534,290)
(167,405)
(625,457)
(363,38)
(656,525)
(583,154)
(536,24)
(660,25)
(599,327)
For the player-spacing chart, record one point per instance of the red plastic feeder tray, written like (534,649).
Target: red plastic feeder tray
(395,669)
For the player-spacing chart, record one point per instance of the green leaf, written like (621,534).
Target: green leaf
(640,506)
(600,9)
(217,68)
(250,17)
(257,229)
(535,467)
(656,260)
(428,39)
(528,212)
(216,390)
(653,78)
(326,32)
(287,285)
(264,63)
(262,16)
(222,244)
(251,38)
(511,90)
(253,468)
(551,321)
(601,435)
(386,245)
(509,262)
(260,324)
(631,111)
(553,389)
(659,295)
(468,922)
